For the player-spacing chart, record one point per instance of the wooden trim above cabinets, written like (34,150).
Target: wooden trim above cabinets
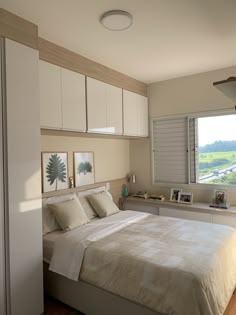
(65,58)
(18,29)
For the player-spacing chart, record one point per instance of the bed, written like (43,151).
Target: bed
(138,263)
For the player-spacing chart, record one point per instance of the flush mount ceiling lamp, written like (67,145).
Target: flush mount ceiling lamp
(228,87)
(116,20)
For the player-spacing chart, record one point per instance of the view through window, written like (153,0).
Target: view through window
(216,150)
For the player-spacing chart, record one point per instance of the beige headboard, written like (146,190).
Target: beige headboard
(115,189)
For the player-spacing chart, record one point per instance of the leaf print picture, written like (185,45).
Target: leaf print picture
(83,168)
(55,171)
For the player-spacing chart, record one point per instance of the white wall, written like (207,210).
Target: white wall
(188,94)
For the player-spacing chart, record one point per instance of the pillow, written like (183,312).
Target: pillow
(49,222)
(102,204)
(82,195)
(69,214)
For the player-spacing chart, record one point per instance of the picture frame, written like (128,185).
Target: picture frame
(84,173)
(220,197)
(174,194)
(185,197)
(54,171)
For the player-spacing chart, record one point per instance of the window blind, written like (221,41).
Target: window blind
(193,149)
(170,146)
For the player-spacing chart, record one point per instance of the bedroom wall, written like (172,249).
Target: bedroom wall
(111,155)
(188,94)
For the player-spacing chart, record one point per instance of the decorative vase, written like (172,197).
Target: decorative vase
(125,191)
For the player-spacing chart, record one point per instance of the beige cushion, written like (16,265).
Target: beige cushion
(102,204)
(69,214)
(49,221)
(82,195)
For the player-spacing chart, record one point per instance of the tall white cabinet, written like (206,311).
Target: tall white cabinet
(22,186)
(2,210)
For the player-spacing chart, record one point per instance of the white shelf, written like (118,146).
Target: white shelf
(195,207)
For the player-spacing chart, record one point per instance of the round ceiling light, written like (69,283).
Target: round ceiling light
(116,20)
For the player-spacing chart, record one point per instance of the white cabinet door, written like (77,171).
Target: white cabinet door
(24,179)
(142,115)
(130,113)
(188,215)
(104,107)
(2,205)
(135,114)
(96,105)
(73,100)
(114,110)
(50,95)
(224,219)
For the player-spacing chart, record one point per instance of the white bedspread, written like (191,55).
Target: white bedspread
(69,249)
(172,266)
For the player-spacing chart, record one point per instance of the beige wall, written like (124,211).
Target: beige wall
(111,156)
(193,93)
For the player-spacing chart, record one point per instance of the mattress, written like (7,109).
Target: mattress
(48,244)
(50,239)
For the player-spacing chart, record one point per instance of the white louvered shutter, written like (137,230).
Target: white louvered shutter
(170,146)
(193,150)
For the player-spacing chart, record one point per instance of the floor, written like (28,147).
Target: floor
(53,307)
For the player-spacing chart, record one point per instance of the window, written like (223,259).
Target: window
(196,149)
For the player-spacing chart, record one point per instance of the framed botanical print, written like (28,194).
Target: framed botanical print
(84,168)
(54,171)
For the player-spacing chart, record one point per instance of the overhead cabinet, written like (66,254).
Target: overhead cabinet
(135,114)
(63,104)
(104,107)
(62,98)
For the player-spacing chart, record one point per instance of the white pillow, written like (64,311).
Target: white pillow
(69,214)
(49,222)
(82,195)
(103,204)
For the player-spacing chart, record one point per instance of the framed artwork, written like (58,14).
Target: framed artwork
(54,171)
(185,197)
(174,194)
(220,197)
(84,168)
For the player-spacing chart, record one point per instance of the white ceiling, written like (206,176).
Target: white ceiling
(169,38)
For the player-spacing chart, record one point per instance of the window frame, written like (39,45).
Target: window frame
(188,116)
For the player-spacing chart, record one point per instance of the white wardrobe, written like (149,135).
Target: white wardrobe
(21,287)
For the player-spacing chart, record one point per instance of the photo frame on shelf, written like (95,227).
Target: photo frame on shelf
(84,168)
(185,197)
(174,194)
(54,171)
(220,197)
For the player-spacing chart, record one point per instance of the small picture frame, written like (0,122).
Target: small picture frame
(185,197)
(174,194)
(54,171)
(84,168)
(220,197)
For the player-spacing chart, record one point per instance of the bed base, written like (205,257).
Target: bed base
(89,299)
